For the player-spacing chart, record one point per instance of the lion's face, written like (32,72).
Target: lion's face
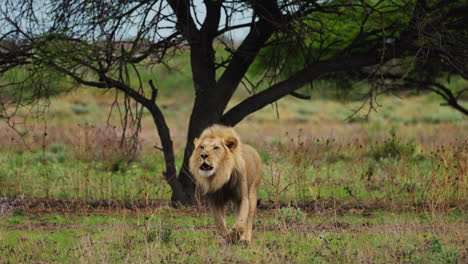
(215,156)
(209,153)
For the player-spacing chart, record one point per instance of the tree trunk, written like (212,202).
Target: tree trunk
(207,109)
(205,113)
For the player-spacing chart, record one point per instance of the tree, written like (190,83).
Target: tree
(289,44)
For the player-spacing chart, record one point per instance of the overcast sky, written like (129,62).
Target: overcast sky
(43,13)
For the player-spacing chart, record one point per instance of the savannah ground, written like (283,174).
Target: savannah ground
(335,190)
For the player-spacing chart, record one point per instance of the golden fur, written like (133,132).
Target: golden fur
(228,170)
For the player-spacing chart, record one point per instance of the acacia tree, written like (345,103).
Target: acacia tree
(290,42)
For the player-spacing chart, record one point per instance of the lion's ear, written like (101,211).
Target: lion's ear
(196,141)
(231,143)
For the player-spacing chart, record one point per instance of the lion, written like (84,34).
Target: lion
(228,170)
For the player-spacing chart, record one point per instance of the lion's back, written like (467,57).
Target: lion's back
(253,164)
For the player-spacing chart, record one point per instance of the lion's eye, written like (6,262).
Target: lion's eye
(202,147)
(215,147)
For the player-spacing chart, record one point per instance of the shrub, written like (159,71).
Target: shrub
(82,109)
(58,148)
(291,215)
(18,212)
(440,254)
(49,156)
(392,148)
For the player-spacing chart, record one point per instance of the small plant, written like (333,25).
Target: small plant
(392,148)
(436,246)
(18,212)
(161,231)
(166,234)
(277,186)
(82,109)
(58,148)
(440,254)
(151,235)
(289,215)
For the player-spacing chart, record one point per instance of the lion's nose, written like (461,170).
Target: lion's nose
(204,156)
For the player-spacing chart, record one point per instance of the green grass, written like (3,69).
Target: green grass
(176,236)
(389,190)
(389,173)
(60,175)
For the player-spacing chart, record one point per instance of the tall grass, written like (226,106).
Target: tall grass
(388,174)
(298,170)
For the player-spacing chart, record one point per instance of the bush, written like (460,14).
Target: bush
(439,254)
(49,156)
(82,109)
(392,148)
(291,215)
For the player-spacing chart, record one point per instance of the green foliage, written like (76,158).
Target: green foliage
(392,148)
(157,230)
(334,32)
(288,215)
(18,212)
(441,254)
(82,109)
(58,154)
(265,156)
(166,234)
(58,148)
(152,235)
(30,84)
(436,245)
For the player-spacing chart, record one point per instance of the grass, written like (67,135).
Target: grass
(335,190)
(66,178)
(390,173)
(325,160)
(175,236)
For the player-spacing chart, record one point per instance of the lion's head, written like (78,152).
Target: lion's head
(215,157)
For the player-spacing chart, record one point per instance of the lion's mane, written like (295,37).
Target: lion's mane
(227,166)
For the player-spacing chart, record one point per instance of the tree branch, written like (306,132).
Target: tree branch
(296,81)
(300,96)
(260,31)
(271,20)
(435,87)
(185,24)
(213,14)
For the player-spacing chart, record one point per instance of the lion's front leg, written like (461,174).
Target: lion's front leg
(241,219)
(247,235)
(219,214)
(241,210)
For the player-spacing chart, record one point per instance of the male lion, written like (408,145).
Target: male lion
(228,170)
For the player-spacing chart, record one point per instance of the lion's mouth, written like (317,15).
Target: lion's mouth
(205,167)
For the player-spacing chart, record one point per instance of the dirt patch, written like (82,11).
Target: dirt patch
(8,206)
(323,207)
(343,227)
(299,228)
(44,205)
(45,227)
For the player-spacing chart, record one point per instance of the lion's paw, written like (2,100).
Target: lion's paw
(244,242)
(233,236)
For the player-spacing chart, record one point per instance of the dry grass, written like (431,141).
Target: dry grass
(176,236)
(392,190)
